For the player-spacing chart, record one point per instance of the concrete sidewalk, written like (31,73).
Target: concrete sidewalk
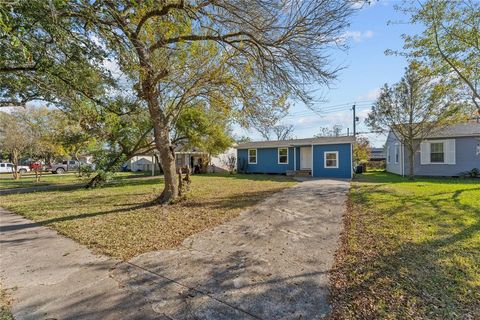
(49,276)
(272,262)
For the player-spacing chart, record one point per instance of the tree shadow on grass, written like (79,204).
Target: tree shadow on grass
(235,201)
(386,276)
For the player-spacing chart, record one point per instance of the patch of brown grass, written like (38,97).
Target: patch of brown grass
(117,220)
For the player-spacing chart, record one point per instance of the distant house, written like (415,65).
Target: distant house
(377,154)
(141,163)
(184,158)
(316,157)
(448,151)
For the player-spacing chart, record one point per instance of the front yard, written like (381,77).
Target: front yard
(28,180)
(411,250)
(117,220)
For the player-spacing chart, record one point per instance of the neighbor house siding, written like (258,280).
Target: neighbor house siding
(344,169)
(267,161)
(466,158)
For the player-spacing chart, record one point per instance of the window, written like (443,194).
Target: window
(331,159)
(388,154)
(437,154)
(9,165)
(2,165)
(252,156)
(282,155)
(397,153)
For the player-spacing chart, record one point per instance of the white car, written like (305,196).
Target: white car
(7,167)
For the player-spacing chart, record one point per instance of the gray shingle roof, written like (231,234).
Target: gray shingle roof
(470,129)
(295,142)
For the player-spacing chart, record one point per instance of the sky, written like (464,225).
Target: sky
(366,69)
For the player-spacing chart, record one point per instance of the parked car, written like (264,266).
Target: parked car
(67,165)
(7,167)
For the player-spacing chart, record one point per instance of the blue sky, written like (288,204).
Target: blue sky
(367,68)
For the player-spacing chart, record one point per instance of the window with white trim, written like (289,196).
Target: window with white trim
(437,154)
(331,159)
(252,156)
(397,153)
(282,155)
(388,154)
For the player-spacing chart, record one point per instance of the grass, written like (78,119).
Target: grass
(5,313)
(116,220)
(48,179)
(410,250)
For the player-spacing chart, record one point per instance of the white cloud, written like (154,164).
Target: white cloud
(357,36)
(370,95)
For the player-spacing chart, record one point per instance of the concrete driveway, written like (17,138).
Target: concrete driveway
(272,262)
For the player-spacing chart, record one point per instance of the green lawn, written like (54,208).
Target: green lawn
(117,219)
(410,250)
(47,179)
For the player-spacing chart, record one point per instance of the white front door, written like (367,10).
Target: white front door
(305,158)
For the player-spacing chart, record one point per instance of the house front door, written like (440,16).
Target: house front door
(305,158)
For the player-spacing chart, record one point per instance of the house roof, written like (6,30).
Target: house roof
(295,142)
(470,129)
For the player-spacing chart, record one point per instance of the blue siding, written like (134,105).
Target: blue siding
(267,161)
(344,169)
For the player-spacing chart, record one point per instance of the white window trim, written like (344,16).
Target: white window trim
(278,155)
(388,155)
(256,156)
(396,153)
(325,159)
(444,142)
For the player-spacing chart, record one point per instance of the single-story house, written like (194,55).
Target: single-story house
(317,157)
(142,162)
(447,151)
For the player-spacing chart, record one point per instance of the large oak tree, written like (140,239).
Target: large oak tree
(247,56)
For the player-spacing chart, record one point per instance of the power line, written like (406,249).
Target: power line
(322,112)
(336,107)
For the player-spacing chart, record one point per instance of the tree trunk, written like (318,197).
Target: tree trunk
(167,161)
(162,143)
(15,157)
(411,161)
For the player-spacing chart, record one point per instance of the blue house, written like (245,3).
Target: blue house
(447,151)
(317,157)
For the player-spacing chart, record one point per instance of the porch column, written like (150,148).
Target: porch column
(294,158)
(311,164)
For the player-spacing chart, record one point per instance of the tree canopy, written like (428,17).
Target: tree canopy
(450,42)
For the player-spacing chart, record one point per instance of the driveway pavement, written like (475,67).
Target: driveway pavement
(272,262)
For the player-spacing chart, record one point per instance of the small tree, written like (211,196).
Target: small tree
(15,138)
(361,150)
(412,108)
(231,162)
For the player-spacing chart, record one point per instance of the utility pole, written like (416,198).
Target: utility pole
(354,121)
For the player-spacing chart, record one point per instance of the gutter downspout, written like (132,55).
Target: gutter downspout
(403,159)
